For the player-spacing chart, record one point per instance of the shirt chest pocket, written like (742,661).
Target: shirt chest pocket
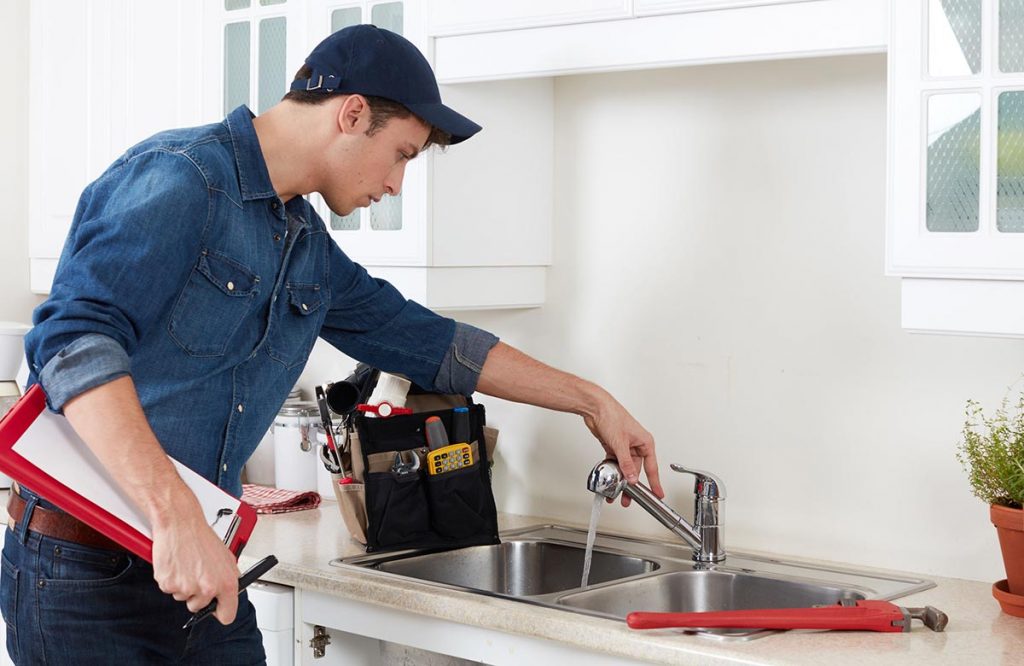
(216,299)
(298,315)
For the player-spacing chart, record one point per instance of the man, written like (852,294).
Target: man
(193,284)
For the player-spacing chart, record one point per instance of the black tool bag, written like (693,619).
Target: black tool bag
(393,502)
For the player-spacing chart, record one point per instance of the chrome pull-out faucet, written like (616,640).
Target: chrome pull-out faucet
(704,536)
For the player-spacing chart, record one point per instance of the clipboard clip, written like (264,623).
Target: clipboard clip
(250,576)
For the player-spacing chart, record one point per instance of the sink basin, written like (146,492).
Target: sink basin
(518,568)
(543,565)
(696,591)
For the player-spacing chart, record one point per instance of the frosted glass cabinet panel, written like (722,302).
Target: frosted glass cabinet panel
(954,37)
(1010,171)
(1011,35)
(236,65)
(272,74)
(954,161)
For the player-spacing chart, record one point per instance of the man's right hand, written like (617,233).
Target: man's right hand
(193,565)
(189,561)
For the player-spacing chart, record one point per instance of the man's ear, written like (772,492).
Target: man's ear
(353,115)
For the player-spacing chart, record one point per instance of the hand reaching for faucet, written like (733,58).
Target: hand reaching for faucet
(624,439)
(508,373)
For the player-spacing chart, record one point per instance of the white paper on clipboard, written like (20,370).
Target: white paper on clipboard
(52,445)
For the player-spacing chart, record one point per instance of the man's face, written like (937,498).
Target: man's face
(361,169)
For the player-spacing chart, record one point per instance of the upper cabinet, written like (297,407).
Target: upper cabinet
(486,41)
(105,74)
(956,139)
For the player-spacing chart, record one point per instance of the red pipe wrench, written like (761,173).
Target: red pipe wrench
(849,614)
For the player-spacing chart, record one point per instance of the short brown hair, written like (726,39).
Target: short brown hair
(381,110)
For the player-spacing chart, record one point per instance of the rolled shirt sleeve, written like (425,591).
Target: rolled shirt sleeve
(464,361)
(89,361)
(372,322)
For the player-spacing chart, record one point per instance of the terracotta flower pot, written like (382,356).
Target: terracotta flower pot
(1010,527)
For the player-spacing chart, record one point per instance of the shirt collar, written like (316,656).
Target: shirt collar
(253,177)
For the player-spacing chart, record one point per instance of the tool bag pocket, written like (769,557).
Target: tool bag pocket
(406,506)
(457,502)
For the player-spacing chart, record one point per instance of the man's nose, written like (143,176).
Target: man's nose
(393,183)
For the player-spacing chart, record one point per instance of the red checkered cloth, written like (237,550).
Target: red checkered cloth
(276,500)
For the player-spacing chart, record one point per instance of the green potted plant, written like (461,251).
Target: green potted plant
(992,453)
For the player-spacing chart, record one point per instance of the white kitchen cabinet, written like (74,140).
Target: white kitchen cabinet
(472,225)
(437,245)
(105,74)
(356,627)
(955,228)
(275,617)
(666,34)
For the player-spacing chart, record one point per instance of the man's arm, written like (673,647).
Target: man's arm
(189,561)
(510,374)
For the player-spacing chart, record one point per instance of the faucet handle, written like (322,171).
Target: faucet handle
(705,485)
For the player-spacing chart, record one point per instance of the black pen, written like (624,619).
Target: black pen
(250,576)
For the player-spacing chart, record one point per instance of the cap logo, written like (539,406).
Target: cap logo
(330,85)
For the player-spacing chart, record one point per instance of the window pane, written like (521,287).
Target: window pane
(387,214)
(1011,35)
(236,65)
(387,16)
(954,37)
(1010,169)
(271,2)
(273,40)
(231,5)
(954,145)
(348,223)
(343,18)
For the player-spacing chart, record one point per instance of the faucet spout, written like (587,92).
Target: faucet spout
(607,480)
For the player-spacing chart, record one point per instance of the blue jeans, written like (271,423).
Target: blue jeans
(65,603)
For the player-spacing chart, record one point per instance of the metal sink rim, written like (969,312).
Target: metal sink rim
(669,557)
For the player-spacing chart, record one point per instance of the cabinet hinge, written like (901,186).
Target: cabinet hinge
(320,641)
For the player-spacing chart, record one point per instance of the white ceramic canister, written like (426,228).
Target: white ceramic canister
(259,469)
(295,447)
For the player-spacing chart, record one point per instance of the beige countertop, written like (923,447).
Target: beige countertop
(305,542)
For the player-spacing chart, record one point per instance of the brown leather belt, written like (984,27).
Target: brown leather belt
(58,525)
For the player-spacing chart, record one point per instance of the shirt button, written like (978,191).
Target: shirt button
(231,286)
(225,468)
(275,205)
(305,307)
(241,408)
(277,237)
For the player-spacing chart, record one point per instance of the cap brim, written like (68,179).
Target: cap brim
(446,119)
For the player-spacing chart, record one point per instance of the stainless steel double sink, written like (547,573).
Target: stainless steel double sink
(543,565)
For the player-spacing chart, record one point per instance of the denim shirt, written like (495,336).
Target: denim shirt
(185,270)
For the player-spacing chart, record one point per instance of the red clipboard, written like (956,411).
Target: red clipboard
(41,450)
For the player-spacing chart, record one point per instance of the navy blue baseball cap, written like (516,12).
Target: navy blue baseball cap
(368,60)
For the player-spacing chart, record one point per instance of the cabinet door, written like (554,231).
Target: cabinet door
(63,45)
(455,17)
(393,231)
(251,51)
(105,74)
(956,139)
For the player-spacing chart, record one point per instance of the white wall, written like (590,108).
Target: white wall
(16,302)
(719,267)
